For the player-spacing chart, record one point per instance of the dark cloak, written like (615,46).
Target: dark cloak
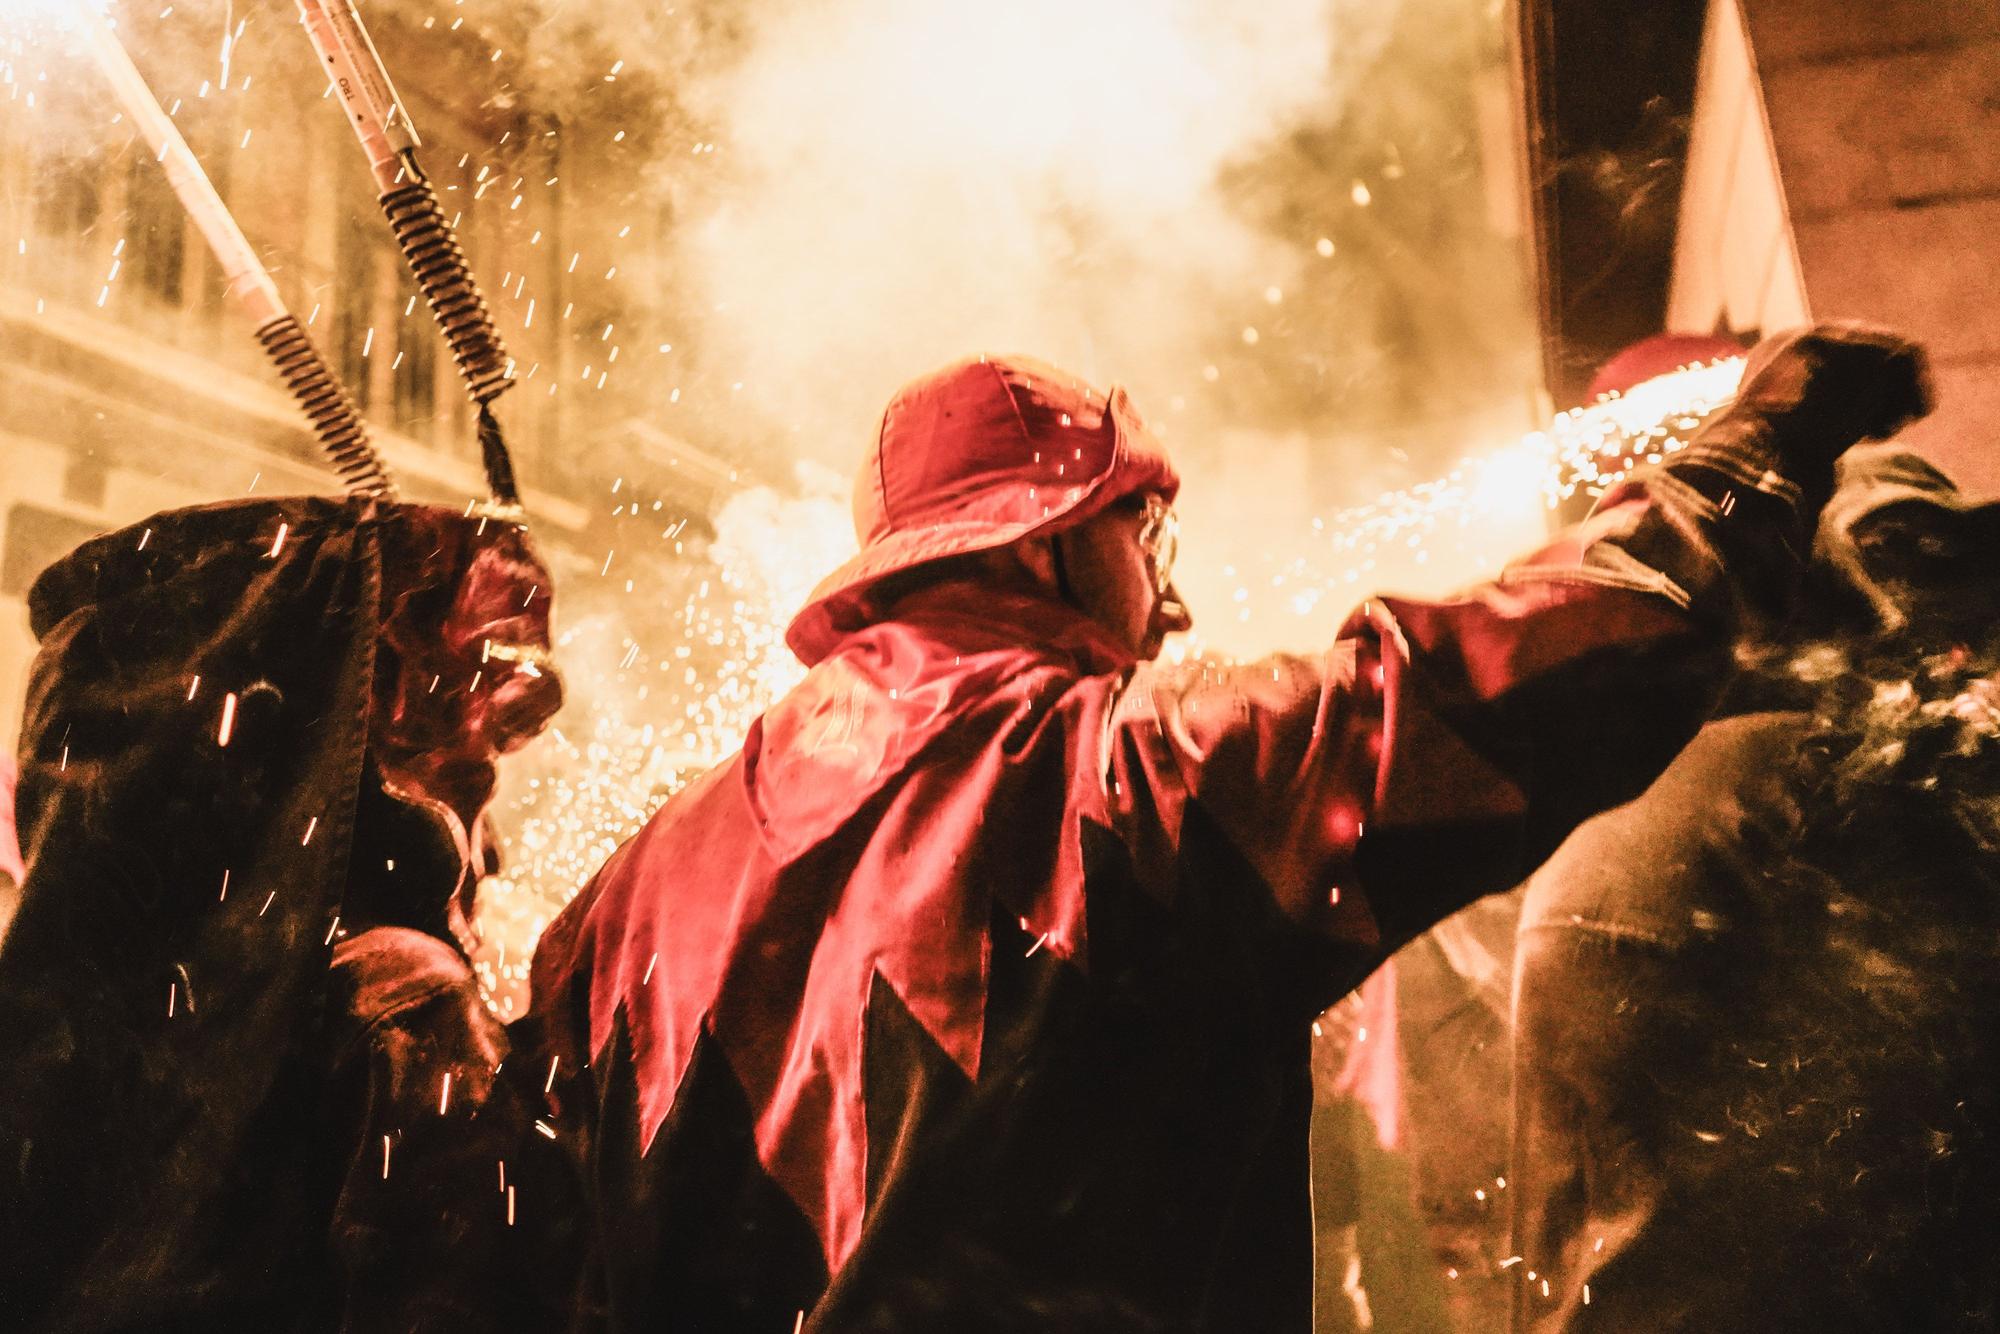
(1757,1063)
(196,754)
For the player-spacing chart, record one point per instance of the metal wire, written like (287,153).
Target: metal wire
(499,464)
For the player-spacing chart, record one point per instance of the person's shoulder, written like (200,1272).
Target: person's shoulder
(408,1026)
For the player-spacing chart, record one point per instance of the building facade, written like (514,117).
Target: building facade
(1844,160)
(1742,166)
(128,384)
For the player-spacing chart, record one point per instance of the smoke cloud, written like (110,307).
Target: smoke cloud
(1156,194)
(913,181)
(1269,222)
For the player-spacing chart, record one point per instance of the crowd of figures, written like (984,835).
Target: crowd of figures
(977,990)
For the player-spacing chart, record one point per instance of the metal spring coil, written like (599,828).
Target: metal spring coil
(327,406)
(438,263)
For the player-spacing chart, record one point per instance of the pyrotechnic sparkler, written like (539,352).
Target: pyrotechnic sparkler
(1485,509)
(326,402)
(416,216)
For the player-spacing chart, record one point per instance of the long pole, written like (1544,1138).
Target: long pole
(443,274)
(326,402)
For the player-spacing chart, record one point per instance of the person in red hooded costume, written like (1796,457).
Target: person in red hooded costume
(974,992)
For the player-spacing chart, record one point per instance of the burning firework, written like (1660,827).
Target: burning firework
(429,242)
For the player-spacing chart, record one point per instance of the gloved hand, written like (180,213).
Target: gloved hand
(1839,382)
(1808,394)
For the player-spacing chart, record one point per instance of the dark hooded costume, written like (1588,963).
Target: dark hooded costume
(248,1080)
(1757,1063)
(973,993)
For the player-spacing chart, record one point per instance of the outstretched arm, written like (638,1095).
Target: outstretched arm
(1439,750)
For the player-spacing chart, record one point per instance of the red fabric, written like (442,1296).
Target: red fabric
(973,457)
(777,960)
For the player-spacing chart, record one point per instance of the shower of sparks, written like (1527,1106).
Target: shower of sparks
(1483,511)
(653,715)
(1591,448)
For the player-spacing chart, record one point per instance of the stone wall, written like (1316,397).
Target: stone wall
(1880,122)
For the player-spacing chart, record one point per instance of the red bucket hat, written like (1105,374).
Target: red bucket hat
(971,458)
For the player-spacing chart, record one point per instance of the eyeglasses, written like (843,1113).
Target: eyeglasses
(1160,540)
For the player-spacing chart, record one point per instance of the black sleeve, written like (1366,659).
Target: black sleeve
(430,1226)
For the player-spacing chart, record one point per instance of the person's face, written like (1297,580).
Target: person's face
(1119,566)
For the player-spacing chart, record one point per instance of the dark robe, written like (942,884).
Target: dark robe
(230,983)
(1757,1048)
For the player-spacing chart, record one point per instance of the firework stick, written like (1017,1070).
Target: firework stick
(361,81)
(437,260)
(326,403)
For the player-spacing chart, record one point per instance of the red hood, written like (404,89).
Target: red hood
(860,716)
(972,458)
